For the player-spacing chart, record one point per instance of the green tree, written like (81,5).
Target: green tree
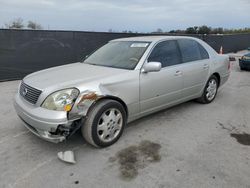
(190,30)
(204,30)
(196,29)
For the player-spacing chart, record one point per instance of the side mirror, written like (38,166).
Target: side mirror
(151,67)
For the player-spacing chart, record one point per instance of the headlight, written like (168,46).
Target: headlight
(62,100)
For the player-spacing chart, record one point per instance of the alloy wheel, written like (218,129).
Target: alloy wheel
(109,125)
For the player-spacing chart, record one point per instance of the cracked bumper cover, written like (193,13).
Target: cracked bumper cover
(40,121)
(44,134)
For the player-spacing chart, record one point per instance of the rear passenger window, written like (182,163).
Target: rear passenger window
(192,50)
(203,51)
(167,53)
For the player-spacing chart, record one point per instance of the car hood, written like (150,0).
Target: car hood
(69,75)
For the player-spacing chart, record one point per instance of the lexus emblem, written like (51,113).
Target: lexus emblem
(25,91)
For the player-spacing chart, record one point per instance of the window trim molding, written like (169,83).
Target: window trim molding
(199,45)
(165,40)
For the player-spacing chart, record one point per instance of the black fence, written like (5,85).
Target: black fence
(26,51)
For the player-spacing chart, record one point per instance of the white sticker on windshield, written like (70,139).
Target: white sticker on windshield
(139,45)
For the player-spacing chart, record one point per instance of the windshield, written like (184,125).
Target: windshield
(119,54)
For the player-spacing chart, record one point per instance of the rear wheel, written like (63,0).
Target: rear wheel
(104,124)
(210,90)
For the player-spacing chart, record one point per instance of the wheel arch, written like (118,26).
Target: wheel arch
(111,98)
(218,77)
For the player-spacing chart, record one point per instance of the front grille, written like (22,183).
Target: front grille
(29,93)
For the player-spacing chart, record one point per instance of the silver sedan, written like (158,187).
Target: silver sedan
(122,81)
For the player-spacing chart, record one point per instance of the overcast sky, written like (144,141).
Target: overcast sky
(135,15)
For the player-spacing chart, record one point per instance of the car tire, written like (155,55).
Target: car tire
(210,90)
(104,124)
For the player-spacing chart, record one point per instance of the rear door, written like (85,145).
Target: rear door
(195,60)
(158,89)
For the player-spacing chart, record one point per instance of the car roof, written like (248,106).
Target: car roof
(153,38)
(247,54)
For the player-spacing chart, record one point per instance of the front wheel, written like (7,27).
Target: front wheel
(210,90)
(104,124)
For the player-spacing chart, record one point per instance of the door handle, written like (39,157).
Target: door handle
(205,66)
(178,73)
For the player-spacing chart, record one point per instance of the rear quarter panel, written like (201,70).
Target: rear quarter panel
(221,65)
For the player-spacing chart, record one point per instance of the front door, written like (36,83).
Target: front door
(163,88)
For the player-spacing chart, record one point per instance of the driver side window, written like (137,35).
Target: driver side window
(167,53)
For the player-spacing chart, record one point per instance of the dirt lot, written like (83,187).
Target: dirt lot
(190,145)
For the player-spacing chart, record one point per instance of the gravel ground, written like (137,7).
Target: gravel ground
(190,145)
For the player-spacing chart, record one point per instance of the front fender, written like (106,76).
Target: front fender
(87,100)
(83,103)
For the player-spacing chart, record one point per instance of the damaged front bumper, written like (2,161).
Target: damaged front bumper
(49,125)
(45,135)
